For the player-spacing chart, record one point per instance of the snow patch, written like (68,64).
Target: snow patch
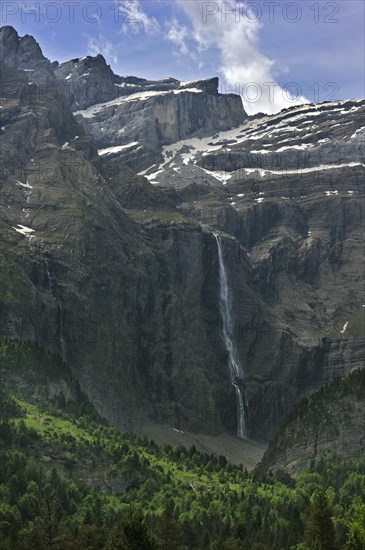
(192,90)
(187,158)
(300,171)
(261,171)
(298,147)
(219,175)
(23,230)
(138,96)
(118,148)
(352,110)
(26,185)
(358,131)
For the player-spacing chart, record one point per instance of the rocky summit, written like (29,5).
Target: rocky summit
(194,267)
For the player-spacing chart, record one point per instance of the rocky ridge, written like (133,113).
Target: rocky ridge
(130,118)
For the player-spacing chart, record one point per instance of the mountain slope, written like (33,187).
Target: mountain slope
(81,277)
(119,273)
(332,418)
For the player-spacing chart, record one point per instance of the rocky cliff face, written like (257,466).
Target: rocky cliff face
(132,118)
(289,191)
(118,272)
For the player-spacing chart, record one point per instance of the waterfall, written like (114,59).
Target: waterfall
(234,367)
(48,276)
(62,340)
(63,348)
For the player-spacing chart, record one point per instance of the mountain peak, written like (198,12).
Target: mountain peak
(12,44)
(24,52)
(8,31)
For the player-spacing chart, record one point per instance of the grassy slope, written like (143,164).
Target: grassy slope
(54,428)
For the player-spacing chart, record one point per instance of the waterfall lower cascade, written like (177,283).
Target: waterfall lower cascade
(234,367)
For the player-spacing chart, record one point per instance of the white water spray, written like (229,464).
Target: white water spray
(234,367)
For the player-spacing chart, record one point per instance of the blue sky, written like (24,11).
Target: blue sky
(274,53)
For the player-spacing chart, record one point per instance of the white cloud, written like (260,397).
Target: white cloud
(102,46)
(235,38)
(179,34)
(134,20)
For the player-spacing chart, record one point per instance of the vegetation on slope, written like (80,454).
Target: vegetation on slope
(335,413)
(69,481)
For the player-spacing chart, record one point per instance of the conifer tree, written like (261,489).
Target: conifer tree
(356,536)
(169,532)
(132,534)
(320,532)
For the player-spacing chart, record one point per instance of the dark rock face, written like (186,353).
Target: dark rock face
(120,276)
(25,53)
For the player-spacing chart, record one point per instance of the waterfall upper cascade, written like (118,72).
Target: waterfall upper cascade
(234,366)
